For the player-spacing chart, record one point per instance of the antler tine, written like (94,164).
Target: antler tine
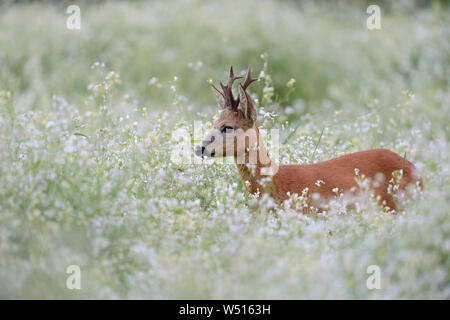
(228,90)
(232,78)
(248,78)
(226,93)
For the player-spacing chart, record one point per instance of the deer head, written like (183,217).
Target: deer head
(235,130)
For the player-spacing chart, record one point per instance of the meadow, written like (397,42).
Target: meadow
(86,136)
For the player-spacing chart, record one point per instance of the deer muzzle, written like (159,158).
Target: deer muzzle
(201,149)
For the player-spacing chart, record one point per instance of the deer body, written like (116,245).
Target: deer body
(235,134)
(321,178)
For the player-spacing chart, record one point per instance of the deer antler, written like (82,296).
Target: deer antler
(248,79)
(227,91)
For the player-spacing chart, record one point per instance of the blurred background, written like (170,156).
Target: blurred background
(325,46)
(86,118)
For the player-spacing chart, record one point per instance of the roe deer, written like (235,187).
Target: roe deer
(236,134)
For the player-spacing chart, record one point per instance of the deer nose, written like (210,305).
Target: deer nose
(199,151)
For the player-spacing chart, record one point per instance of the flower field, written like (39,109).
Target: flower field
(87,122)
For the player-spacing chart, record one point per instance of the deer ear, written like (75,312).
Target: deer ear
(219,96)
(246,105)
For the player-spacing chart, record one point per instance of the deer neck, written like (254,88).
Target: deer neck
(256,166)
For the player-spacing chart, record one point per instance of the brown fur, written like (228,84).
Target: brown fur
(335,173)
(234,119)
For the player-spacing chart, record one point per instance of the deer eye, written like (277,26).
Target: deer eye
(226,129)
